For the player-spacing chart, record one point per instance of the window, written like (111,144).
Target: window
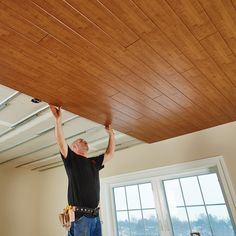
(171,201)
(196,204)
(135,210)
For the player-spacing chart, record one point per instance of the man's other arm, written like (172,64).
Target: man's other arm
(56,111)
(111,145)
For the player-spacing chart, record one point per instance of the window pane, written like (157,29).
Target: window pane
(133,197)
(123,223)
(146,194)
(179,222)
(191,191)
(130,221)
(220,220)
(206,209)
(136,223)
(211,189)
(173,193)
(199,221)
(150,222)
(120,199)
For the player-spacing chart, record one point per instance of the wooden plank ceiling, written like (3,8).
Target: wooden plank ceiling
(155,68)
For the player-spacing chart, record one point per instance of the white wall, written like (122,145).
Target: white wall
(30,202)
(53,200)
(44,194)
(217,141)
(19,204)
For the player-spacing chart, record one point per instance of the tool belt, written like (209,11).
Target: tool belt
(89,212)
(71,213)
(67,217)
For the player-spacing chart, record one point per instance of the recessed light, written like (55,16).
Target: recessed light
(35,100)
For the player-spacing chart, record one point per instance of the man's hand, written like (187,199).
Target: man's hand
(111,144)
(56,111)
(109,130)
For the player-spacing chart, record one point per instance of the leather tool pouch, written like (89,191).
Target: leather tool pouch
(67,217)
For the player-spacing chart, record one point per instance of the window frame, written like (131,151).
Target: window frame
(156,176)
(129,210)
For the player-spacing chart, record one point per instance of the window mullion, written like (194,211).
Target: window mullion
(161,207)
(141,209)
(185,205)
(205,206)
(127,209)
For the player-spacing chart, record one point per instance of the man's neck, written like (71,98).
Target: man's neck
(84,154)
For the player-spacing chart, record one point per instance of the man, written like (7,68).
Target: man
(83,178)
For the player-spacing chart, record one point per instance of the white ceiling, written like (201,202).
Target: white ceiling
(27,133)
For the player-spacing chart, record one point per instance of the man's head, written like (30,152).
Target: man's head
(80,147)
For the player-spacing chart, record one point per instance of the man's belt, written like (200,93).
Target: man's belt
(67,217)
(72,213)
(87,211)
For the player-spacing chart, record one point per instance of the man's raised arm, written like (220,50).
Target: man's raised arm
(56,111)
(111,145)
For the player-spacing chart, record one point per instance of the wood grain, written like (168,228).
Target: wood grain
(156,69)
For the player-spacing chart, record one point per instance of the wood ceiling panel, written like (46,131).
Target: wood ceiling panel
(86,80)
(101,76)
(87,92)
(223,15)
(164,47)
(130,78)
(129,86)
(199,81)
(81,24)
(197,20)
(156,69)
(19,81)
(70,37)
(77,87)
(140,73)
(102,118)
(130,14)
(219,50)
(106,44)
(104,18)
(167,50)
(191,121)
(149,110)
(146,54)
(194,16)
(181,36)
(21,25)
(77,42)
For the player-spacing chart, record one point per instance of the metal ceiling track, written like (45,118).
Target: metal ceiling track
(6,101)
(39,160)
(50,145)
(51,156)
(37,135)
(56,154)
(48,165)
(40,164)
(59,163)
(24,120)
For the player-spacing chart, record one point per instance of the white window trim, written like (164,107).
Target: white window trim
(161,173)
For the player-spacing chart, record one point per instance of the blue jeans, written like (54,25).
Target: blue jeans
(86,226)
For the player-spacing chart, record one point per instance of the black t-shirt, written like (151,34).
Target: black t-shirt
(83,179)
